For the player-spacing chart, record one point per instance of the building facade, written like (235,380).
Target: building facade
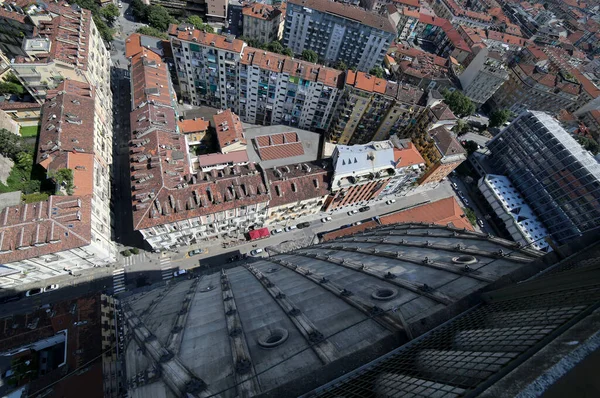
(297,190)
(373,109)
(174,205)
(484,75)
(259,86)
(559,180)
(410,165)
(360,173)
(338,32)
(443,152)
(263,22)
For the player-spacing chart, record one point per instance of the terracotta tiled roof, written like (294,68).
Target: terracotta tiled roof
(445,141)
(65,32)
(442,212)
(14,105)
(235,157)
(506,38)
(586,84)
(354,229)
(152,116)
(67,121)
(133,45)
(406,157)
(410,3)
(228,43)
(279,146)
(294,67)
(42,228)
(193,125)
(229,129)
(261,11)
(442,112)
(364,81)
(150,80)
(348,12)
(82,165)
(432,20)
(298,182)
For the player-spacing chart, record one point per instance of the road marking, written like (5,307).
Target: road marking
(118,280)
(166,268)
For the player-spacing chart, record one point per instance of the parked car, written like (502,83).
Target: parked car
(326,219)
(290,228)
(256,252)
(276,231)
(454,185)
(480,223)
(51,287)
(364,208)
(34,292)
(303,225)
(466,201)
(358,223)
(352,212)
(389,202)
(180,272)
(194,252)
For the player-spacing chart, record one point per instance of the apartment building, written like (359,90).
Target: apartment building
(458,15)
(70,232)
(381,5)
(259,86)
(275,89)
(207,66)
(410,165)
(443,153)
(297,190)
(15,24)
(174,205)
(67,46)
(209,10)
(419,68)
(532,87)
(360,173)
(338,32)
(373,108)
(484,75)
(263,22)
(557,178)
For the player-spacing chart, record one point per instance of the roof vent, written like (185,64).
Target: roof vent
(465,259)
(384,294)
(273,338)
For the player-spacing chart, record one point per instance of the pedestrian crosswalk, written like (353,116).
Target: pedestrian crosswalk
(133,259)
(166,268)
(118,280)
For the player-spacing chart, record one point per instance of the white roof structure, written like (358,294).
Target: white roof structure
(530,228)
(374,156)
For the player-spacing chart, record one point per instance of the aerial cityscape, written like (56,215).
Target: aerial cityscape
(299,198)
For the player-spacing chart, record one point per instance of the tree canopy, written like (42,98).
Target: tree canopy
(288,52)
(589,144)
(459,103)
(461,127)
(470,146)
(341,65)
(310,56)
(110,13)
(499,117)
(199,24)
(149,31)
(377,71)
(159,18)
(105,32)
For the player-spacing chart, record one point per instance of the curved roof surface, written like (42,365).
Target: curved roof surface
(282,325)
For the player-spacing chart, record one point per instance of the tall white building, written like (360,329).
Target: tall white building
(484,75)
(338,32)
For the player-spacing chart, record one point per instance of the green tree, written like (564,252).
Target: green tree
(377,71)
(149,31)
(459,103)
(105,32)
(159,18)
(470,146)
(11,88)
(462,127)
(199,24)
(499,117)
(135,250)
(10,144)
(470,215)
(589,144)
(309,55)
(110,13)
(288,52)
(25,161)
(139,10)
(63,179)
(341,65)
(275,47)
